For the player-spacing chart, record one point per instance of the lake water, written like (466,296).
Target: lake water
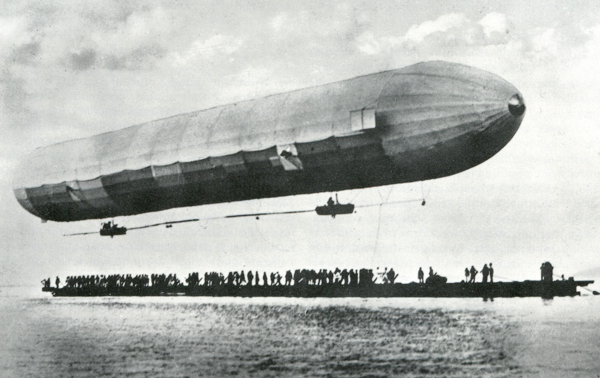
(42,336)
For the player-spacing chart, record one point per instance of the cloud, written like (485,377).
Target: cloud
(494,23)
(448,32)
(18,44)
(544,42)
(142,58)
(13,32)
(26,53)
(81,38)
(145,27)
(83,60)
(344,23)
(369,44)
(207,48)
(278,22)
(454,22)
(134,43)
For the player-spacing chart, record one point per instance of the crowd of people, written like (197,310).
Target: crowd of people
(233,278)
(254,278)
(115,281)
(486,272)
(298,277)
(109,281)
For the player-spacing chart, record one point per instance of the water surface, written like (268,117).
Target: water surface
(288,337)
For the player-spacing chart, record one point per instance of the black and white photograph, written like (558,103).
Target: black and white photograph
(383,188)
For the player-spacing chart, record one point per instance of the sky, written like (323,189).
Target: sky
(73,69)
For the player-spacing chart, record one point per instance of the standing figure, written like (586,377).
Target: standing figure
(467,274)
(473,272)
(250,278)
(491,273)
(344,275)
(431,272)
(57,282)
(485,271)
(391,276)
(421,275)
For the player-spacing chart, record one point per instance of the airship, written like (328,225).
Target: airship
(421,122)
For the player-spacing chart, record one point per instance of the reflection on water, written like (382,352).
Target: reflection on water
(274,337)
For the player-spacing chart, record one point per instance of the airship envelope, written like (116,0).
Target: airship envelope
(421,122)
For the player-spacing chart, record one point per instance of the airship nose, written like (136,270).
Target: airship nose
(516,105)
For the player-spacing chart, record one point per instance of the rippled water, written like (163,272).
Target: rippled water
(284,337)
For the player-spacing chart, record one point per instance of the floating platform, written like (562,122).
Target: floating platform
(567,288)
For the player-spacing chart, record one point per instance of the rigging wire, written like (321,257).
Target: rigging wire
(588,289)
(504,278)
(430,187)
(379,222)
(256,225)
(388,203)
(377,235)
(163,223)
(425,196)
(259,214)
(354,198)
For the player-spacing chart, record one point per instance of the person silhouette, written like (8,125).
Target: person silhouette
(473,272)
(485,271)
